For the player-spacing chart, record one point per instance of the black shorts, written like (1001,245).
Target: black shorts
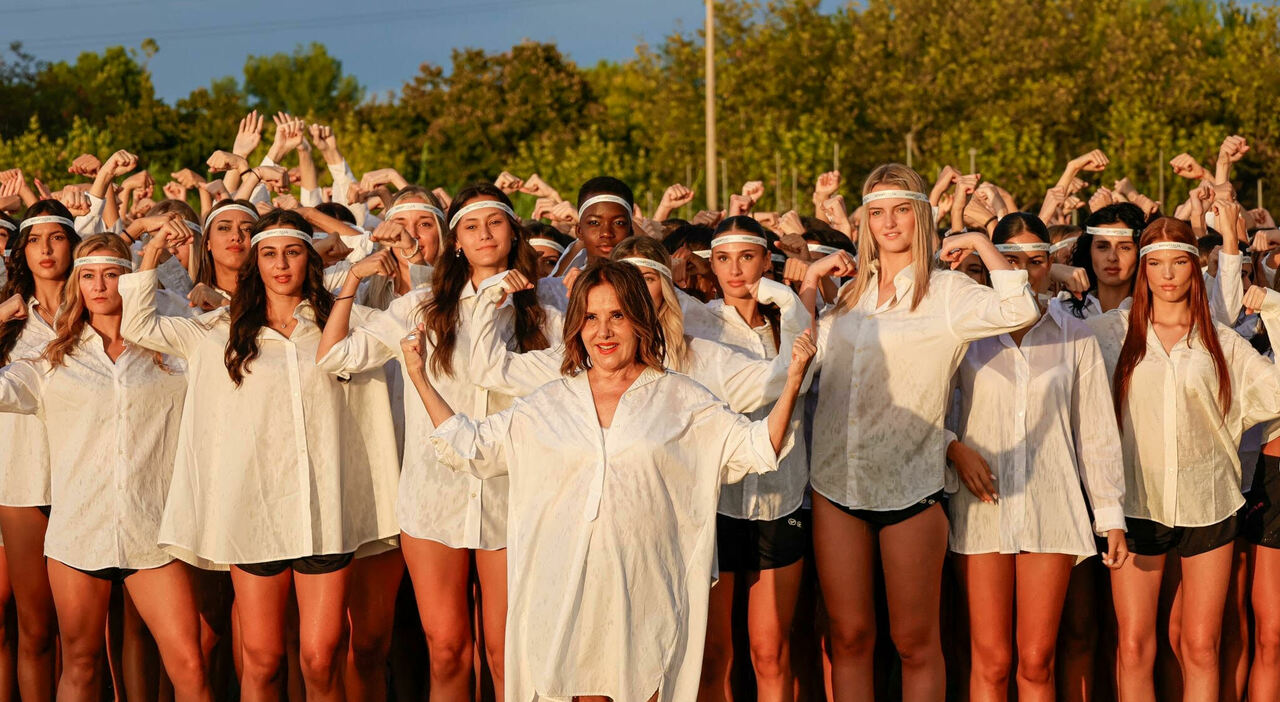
(1260,520)
(309,565)
(115,575)
(1148,538)
(46,510)
(744,545)
(878,519)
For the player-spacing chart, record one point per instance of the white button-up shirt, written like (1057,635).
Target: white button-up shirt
(611,536)
(1041,415)
(116,425)
(884,388)
(24,462)
(456,509)
(1181,466)
(270,470)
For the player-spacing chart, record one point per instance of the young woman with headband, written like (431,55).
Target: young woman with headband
(605,206)
(615,471)
(116,410)
(878,447)
(449,521)
(1108,252)
(220,253)
(306,478)
(1034,424)
(549,244)
(1185,390)
(762,522)
(38,269)
(415,211)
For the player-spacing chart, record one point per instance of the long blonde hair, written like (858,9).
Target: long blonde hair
(923,245)
(670,317)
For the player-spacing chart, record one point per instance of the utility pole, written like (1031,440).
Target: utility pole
(973,160)
(712,180)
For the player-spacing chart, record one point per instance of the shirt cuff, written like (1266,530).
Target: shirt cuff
(1107,518)
(1009,283)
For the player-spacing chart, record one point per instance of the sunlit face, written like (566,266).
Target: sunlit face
(227,238)
(972,267)
(282,263)
(737,267)
(100,285)
(48,251)
(1169,274)
(892,221)
(547,259)
(1035,263)
(423,226)
(485,236)
(1115,259)
(609,337)
(653,282)
(601,227)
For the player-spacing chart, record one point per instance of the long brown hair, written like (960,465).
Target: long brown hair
(923,242)
(249,303)
(637,307)
(21,281)
(452,273)
(203,269)
(671,316)
(1135,340)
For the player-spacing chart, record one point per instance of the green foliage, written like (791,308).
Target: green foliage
(308,81)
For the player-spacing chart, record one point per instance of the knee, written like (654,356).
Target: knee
(1035,664)
(1199,650)
(449,655)
(495,653)
(1136,652)
(81,658)
(918,643)
(992,662)
(186,672)
(318,660)
(1267,640)
(262,663)
(852,640)
(770,658)
(36,632)
(368,648)
(717,656)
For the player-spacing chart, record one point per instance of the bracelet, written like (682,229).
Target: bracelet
(417,246)
(345,297)
(989,221)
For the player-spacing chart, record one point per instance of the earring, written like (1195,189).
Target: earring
(457,253)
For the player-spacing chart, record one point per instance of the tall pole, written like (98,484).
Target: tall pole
(911,142)
(712,180)
(1160,170)
(973,161)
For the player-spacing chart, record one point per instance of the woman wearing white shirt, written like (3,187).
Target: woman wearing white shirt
(1108,252)
(287,503)
(887,351)
(220,252)
(1034,423)
(449,520)
(762,530)
(1185,390)
(39,266)
(615,473)
(116,410)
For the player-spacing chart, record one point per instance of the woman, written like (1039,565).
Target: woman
(615,473)
(221,251)
(116,410)
(1108,252)
(449,521)
(1182,490)
(878,447)
(1034,423)
(38,268)
(288,507)
(761,523)
(418,212)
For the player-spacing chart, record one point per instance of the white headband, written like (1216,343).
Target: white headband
(887,194)
(596,199)
(291,233)
(824,250)
(233,206)
(1025,248)
(112,260)
(1100,231)
(6,224)
(546,243)
(1063,244)
(415,207)
(740,239)
(1169,246)
(193,226)
(32,221)
(480,205)
(650,264)
(702,254)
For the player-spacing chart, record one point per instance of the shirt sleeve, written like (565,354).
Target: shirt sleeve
(367,345)
(174,276)
(975,311)
(747,448)
(746,383)
(1097,437)
(20,388)
(478,448)
(1255,380)
(91,222)
(1226,291)
(141,324)
(496,368)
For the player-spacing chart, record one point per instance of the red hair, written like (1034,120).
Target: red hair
(1135,340)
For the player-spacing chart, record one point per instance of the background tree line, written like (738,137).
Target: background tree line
(1026,85)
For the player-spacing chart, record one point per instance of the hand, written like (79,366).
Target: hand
(1254,298)
(286,202)
(790,223)
(837,216)
(1075,186)
(1075,280)
(1093,161)
(534,185)
(86,165)
(564,212)
(1200,198)
(380,177)
(1233,149)
(380,263)
(11,181)
(542,208)
(206,298)
(707,217)
(326,142)
(753,190)
(76,201)
(1226,212)
(141,206)
(393,234)
(139,181)
(507,183)
(571,277)
(794,271)
(974,472)
(272,174)
(411,348)
(675,197)
(738,205)
(802,353)
(794,246)
(1186,166)
(768,220)
(443,196)
(946,176)
(173,190)
(172,234)
(226,161)
(1148,206)
(1101,199)
(217,190)
(248,135)
(978,214)
(826,186)
(1262,218)
(513,282)
(10,203)
(117,164)
(1124,188)
(1267,240)
(42,190)
(331,248)
(13,308)
(840,265)
(957,247)
(1117,550)
(289,130)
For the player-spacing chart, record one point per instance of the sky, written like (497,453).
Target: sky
(381,42)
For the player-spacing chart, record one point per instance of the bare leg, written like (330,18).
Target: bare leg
(374,583)
(845,552)
(1264,677)
(989,589)
(441,578)
(166,602)
(260,621)
(771,607)
(1135,588)
(1042,588)
(491,571)
(911,553)
(23,529)
(717,656)
(1205,580)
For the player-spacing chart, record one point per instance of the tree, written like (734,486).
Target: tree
(307,82)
